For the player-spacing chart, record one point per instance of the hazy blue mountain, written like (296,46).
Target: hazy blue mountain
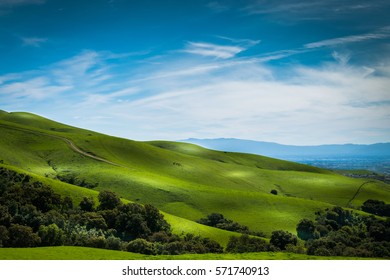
(375,157)
(274,149)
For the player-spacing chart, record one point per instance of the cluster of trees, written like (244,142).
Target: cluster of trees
(32,214)
(335,232)
(376,207)
(339,232)
(74,180)
(171,244)
(280,241)
(217,220)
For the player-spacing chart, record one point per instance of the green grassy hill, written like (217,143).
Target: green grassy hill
(84,253)
(185,181)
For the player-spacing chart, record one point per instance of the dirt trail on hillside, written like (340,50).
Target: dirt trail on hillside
(69,142)
(357,192)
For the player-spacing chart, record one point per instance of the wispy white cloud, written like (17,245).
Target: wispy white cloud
(298,10)
(57,80)
(341,58)
(213,50)
(37,88)
(226,98)
(84,70)
(33,41)
(92,99)
(247,43)
(217,6)
(281,6)
(9,77)
(315,103)
(380,34)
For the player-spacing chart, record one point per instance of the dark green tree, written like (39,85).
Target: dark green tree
(155,220)
(51,235)
(67,203)
(376,207)
(5,217)
(4,236)
(306,229)
(213,219)
(141,246)
(131,221)
(281,239)
(108,200)
(244,243)
(87,204)
(92,220)
(22,236)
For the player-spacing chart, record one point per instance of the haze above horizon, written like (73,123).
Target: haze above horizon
(292,72)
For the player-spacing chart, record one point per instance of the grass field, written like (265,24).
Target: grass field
(185,181)
(83,253)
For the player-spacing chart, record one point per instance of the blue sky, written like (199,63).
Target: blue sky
(293,72)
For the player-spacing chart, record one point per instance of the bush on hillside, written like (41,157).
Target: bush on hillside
(244,243)
(280,239)
(306,230)
(87,204)
(219,221)
(344,233)
(376,207)
(108,200)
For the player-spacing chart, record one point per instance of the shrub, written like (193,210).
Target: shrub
(3,236)
(155,220)
(96,242)
(306,230)
(141,246)
(22,236)
(219,221)
(281,239)
(113,243)
(108,200)
(244,243)
(297,249)
(376,207)
(174,248)
(51,235)
(87,204)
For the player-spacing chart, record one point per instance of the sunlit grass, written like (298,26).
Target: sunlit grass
(83,253)
(184,180)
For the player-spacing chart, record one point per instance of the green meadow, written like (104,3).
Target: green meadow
(84,253)
(186,182)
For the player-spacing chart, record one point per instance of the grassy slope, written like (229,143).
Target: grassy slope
(184,180)
(83,253)
(179,225)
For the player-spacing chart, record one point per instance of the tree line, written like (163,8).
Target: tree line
(32,214)
(334,232)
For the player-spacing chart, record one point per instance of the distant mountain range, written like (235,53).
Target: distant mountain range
(278,150)
(374,157)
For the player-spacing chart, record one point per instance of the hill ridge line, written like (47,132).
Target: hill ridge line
(70,144)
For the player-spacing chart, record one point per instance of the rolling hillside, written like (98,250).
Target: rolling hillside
(185,181)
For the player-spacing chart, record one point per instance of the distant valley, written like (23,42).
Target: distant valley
(374,157)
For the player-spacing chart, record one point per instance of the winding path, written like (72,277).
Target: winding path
(358,191)
(69,142)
